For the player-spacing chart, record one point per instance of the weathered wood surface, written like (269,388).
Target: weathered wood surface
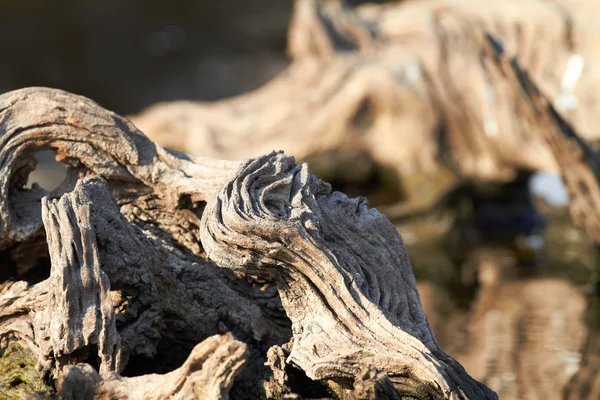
(402,86)
(331,254)
(117,269)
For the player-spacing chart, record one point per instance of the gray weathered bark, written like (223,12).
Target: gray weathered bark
(131,238)
(341,260)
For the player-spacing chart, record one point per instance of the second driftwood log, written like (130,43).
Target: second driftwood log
(401,92)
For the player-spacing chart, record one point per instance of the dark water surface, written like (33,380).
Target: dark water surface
(524,323)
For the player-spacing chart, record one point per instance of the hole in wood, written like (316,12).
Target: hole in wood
(88,355)
(48,173)
(16,382)
(170,355)
(304,386)
(140,365)
(27,261)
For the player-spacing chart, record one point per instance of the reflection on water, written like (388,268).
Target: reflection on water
(522,338)
(519,325)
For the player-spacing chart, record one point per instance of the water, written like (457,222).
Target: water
(519,324)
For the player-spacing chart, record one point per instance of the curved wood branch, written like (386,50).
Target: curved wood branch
(343,275)
(89,140)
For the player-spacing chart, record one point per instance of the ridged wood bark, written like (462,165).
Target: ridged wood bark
(125,254)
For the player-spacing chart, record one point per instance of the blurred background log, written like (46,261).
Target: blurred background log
(406,89)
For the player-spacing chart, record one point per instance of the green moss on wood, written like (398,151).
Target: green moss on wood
(18,375)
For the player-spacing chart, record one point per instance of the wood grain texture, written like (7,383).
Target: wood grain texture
(343,275)
(132,238)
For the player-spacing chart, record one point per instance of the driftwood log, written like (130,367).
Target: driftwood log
(387,85)
(151,274)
